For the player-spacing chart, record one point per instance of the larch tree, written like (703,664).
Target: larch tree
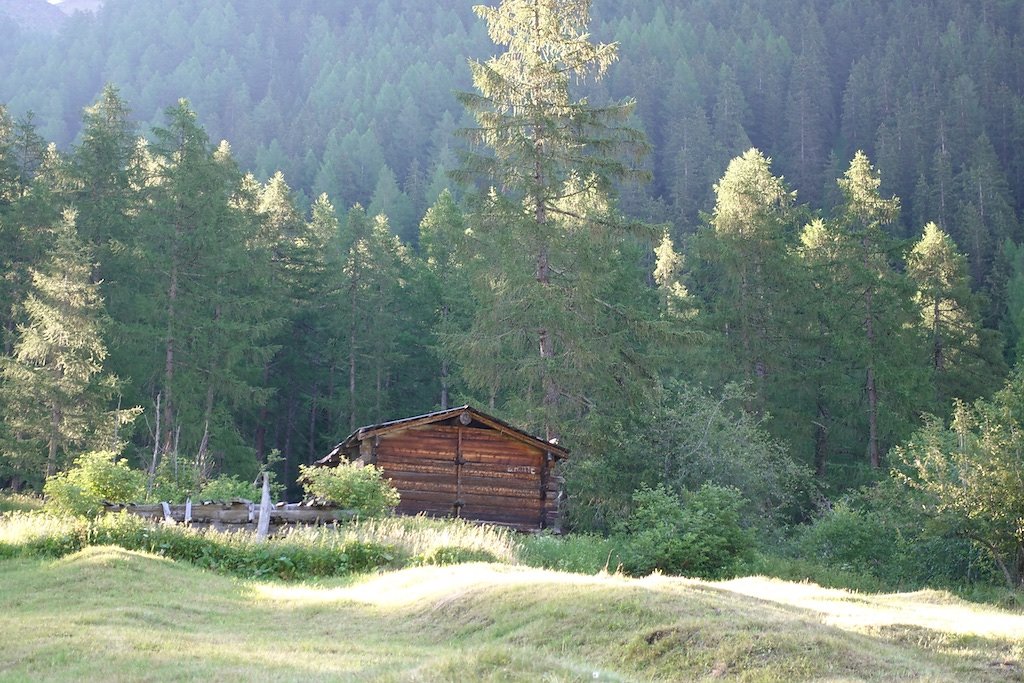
(865,317)
(204,315)
(546,224)
(864,216)
(443,247)
(960,357)
(53,390)
(748,293)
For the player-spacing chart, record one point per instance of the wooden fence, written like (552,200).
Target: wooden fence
(236,515)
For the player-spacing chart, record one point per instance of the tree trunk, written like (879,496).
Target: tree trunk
(873,450)
(51,456)
(547,352)
(352,364)
(874,454)
(821,440)
(261,426)
(168,409)
(444,364)
(312,421)
(352,384)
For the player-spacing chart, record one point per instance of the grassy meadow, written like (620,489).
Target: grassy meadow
(106,613)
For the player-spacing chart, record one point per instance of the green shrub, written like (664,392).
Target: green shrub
(849,539)
(701,537)
(228,488)
(175,480)
(885,530)
(95,477)
(351,486)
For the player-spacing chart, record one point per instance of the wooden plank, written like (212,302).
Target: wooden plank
(413,479)
(454,490)
(505,491)
(483,469)
(531,520)
(505,448)
(419,467)
(513,479)
(426,438)
(500,460)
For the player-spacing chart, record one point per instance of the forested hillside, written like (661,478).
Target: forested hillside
(802,236)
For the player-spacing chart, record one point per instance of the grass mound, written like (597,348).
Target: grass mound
(110,613)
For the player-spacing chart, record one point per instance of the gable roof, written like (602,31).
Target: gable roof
(474,415)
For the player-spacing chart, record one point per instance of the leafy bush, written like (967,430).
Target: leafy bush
(175,480)
(885,530)
(228,488)
(352,486)
(969,474)
(701,537)
(849,539)
(95,477)
(685,437)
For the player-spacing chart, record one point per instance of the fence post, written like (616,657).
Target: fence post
(263,527)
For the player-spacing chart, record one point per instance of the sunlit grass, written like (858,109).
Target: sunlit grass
(931,609)
(422,537)
(110,614)
(298,553)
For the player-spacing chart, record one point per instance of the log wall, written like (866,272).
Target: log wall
(470,472)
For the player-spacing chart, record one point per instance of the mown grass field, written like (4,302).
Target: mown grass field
(106,613)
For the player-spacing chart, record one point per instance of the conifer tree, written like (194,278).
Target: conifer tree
(53,390)
(546,222)
(746,248)
(204,312)
(865,318)
(961,356)
(444,248)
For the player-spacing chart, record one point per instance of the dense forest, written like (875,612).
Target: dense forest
(761,244)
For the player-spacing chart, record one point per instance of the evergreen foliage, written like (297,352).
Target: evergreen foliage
(53,387)
(556,255)
(721,323)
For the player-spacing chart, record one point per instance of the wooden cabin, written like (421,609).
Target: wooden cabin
(461,462)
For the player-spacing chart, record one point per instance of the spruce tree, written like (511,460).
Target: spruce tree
(551,242)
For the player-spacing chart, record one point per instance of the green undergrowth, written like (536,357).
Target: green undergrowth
(106,613)
(301,553)
(19,502)
(576,553)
